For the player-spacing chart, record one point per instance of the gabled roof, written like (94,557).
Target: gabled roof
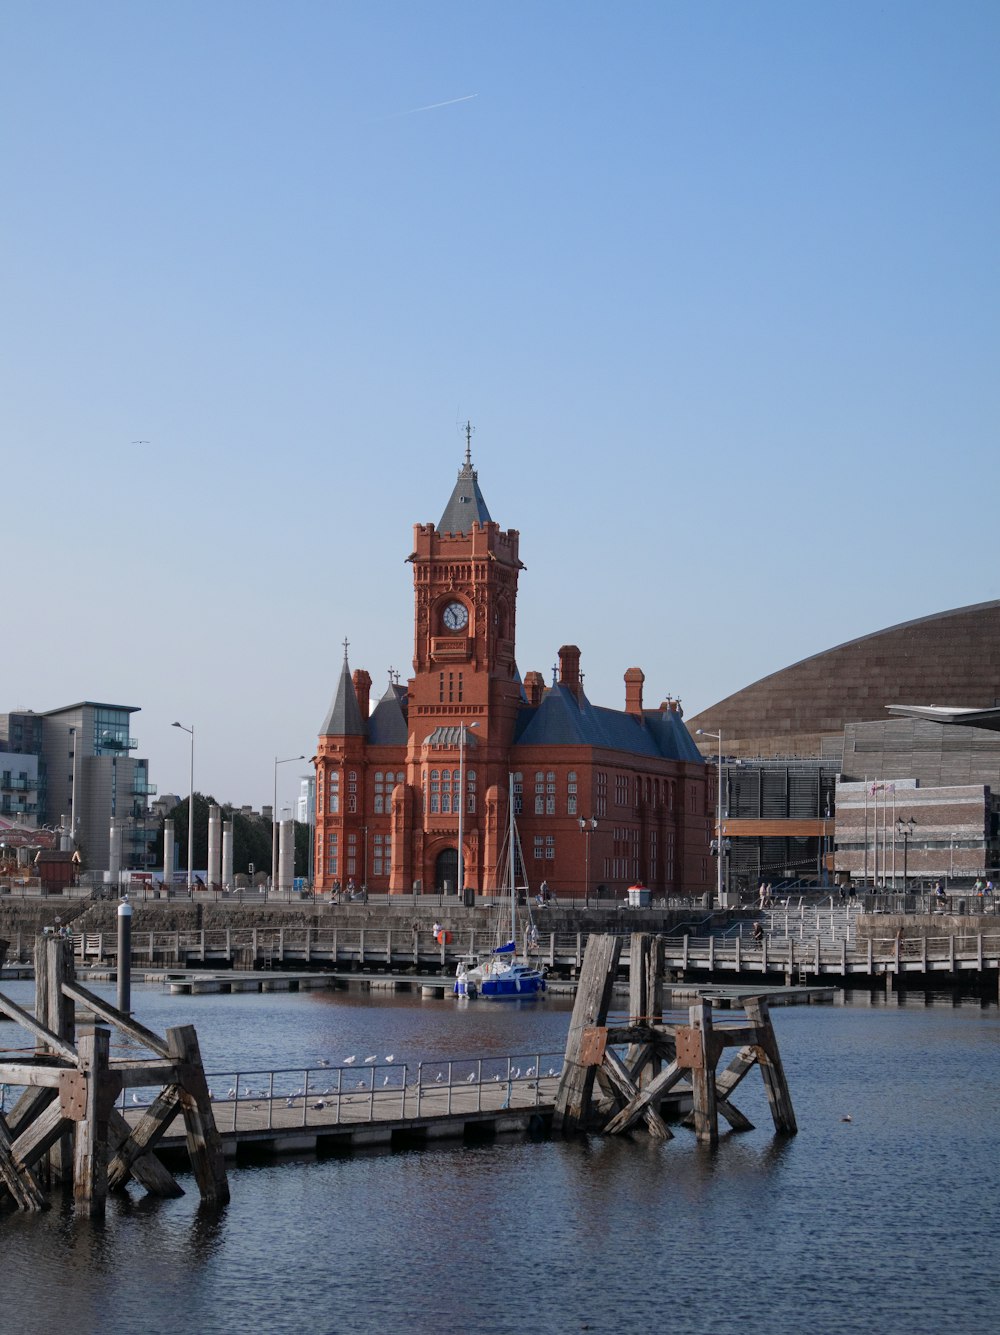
(563,720)
(387,722)
(466,505)
(344,718)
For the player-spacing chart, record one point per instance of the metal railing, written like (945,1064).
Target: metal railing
(370,1089)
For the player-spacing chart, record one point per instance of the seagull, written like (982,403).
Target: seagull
(136,1099)
(369,1060)
(349,1061)
(847,1118)
(552,1070)
(319,1104)
(391,1057)
(385,1081)
(530,1071)
(362,1085)
(290,1102)
(439,1076)
(472,1079)
(232,1091)
(324,1061)
(496,1079)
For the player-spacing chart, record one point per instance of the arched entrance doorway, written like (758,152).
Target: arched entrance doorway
(446,872)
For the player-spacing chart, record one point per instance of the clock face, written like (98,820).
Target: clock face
(455,616)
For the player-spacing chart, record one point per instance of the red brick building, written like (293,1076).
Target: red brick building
(389,778)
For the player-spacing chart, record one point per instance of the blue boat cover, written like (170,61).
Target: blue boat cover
(508,949)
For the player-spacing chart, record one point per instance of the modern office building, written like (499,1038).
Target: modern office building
(79,759)
(602,797)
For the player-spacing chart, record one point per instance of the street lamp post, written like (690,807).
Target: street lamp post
(587,824)
(274,819)
(905,828)
(190,883)
(718,816)
(461,808)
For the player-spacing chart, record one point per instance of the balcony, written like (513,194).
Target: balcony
(139,789)
(11,785)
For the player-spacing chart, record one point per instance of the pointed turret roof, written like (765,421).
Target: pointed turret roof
(466,505)
(344,718)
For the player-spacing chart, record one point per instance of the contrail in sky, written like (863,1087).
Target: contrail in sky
(433,106)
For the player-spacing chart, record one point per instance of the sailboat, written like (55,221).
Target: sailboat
(503,975)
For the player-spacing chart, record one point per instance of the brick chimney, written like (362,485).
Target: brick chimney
(534,685)
(569,668)
(634,678)
(362,689)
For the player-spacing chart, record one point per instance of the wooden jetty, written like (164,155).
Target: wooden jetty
(394,950)
(659,1057)
(75,1119)
(65,1127)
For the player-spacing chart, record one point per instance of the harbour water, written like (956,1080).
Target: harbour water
(885,1222)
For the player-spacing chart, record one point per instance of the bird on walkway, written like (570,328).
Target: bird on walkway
(439,1076)
(136,1099)
(362,1085)
(349,1061)
(319,1104)
(391,1057)
(232,1092)
(472,1079)
(324,1061)
(369,1060)
(385,1081)
(847,1118)
(496,1079)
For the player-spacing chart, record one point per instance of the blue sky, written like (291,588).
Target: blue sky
(715,283)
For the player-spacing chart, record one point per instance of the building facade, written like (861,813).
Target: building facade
(73,768)
(603,798)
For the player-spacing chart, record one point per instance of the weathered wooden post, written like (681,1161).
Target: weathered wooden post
(645,1003)
(56,1011)
(203,1142)
(771,1069)
(584,1047)
(698,1050)
(97,1095)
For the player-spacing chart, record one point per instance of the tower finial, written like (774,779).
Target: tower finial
(468,444)
(346,643)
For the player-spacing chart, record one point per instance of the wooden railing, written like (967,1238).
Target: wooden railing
(389,949)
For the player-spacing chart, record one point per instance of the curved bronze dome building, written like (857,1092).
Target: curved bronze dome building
(950,658)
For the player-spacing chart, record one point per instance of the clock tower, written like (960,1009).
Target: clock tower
(465,692)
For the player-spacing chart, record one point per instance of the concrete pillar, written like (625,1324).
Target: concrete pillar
(214,846)
(115,853)
(169,853)
(66,838)
(286,855)
(227,853)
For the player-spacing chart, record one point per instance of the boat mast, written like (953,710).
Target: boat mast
(513,860)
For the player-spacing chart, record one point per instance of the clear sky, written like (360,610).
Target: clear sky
(716,284)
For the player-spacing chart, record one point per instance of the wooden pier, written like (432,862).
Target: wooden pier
(393,950)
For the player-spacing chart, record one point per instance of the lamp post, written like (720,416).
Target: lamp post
(274,819)
(587,824)
(461,807)
(718,815)
(190,732)
(905,828)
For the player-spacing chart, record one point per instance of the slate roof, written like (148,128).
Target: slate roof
(344,718)
(562,720)
(466,505)
(387,722)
